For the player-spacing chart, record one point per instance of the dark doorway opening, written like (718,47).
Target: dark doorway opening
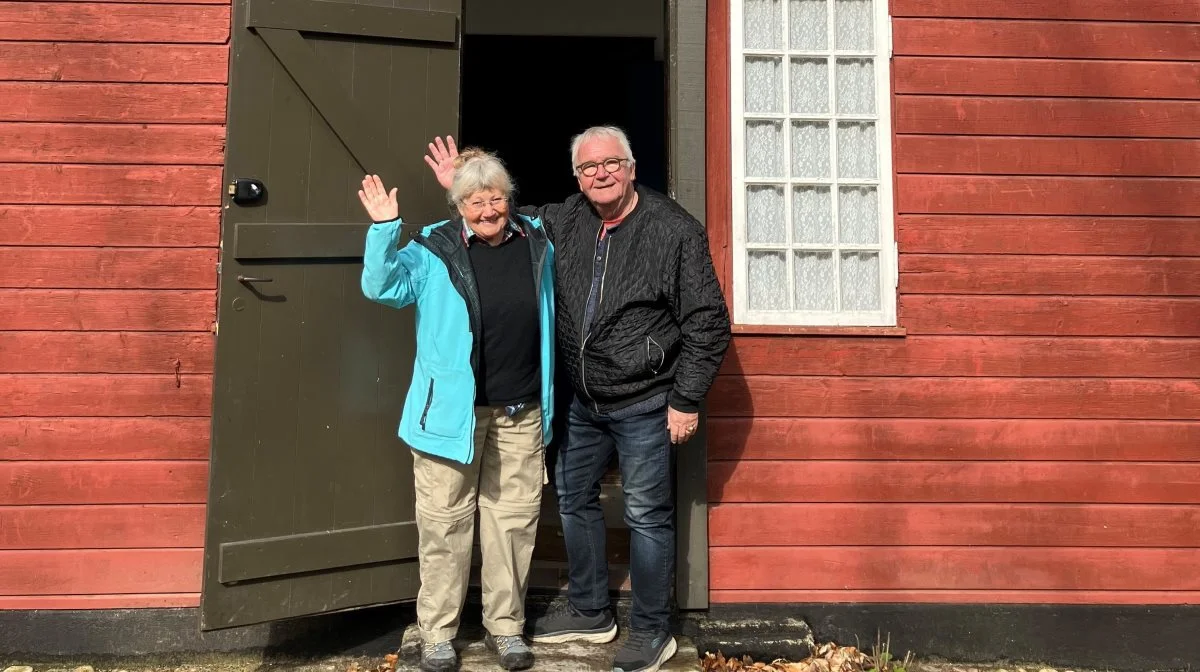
(524,97)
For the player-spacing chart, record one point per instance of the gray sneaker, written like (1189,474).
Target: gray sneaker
(512,650)
(438,657)
(566,624)
(645,651)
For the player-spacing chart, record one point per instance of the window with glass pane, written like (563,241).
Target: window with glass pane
(812,217)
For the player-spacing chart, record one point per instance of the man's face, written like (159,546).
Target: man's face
(604,187)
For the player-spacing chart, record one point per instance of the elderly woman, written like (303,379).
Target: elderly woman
(478,411)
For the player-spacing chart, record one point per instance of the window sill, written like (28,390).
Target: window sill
(786,330)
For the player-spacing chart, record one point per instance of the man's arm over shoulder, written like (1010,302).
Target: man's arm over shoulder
(554,216)
(702,317)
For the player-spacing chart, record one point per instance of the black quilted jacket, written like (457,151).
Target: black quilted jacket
(661,324)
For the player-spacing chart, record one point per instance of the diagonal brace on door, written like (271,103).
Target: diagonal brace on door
(340,18)
(362,135)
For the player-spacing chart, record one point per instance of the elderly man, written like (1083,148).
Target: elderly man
(642,329)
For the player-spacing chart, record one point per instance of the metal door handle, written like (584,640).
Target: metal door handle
(246,278)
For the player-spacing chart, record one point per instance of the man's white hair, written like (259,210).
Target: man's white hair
(600,132)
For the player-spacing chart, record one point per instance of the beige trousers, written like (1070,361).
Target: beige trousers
(505,480)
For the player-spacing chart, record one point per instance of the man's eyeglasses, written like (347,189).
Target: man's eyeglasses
(590,168)
(495,202)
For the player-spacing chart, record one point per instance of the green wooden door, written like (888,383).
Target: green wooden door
(310,505)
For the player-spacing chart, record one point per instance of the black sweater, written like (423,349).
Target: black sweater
(509,366)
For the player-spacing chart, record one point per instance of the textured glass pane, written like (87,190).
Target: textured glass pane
(809,27)
(858,215)
(812,215)
(855,86)
(764,149)
(765,219)
(815,281)
(764,85)
(810,149)
(853,25)
(766,277)
(860,281)
(810,85)
(856,150)
(764,24)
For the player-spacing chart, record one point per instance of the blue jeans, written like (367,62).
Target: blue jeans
(643,446)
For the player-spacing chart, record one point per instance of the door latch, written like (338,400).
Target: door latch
(247,190)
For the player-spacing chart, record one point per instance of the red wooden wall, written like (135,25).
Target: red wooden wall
(1033,436)
(111,142)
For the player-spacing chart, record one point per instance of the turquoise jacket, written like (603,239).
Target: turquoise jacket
(434,272)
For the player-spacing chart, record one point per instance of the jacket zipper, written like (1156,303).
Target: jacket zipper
(584,333)
(428,403)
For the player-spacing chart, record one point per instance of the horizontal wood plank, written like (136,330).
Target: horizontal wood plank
(102,526)
(859,397)
(956,481)
(74,572)
(951,439)
(997,596)
(88,62)
(1100,10)
(963,194)
(1045,39)
(125,103)
(1046,274)
(1049,316)
(1014,234)
(108,268)
(1076,117)
(101,395)
(113,22)
(112,143)
(1046,78)
(109,185)
(104,438)
(136,482)
(943,568)
(128,601)
(106,310)
(963,356)
(105,352)
(974,155)
(110,226)
(1117,525)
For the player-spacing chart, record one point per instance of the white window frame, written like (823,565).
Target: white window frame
(888,253)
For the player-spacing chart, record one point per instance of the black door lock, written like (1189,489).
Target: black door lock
(247,190)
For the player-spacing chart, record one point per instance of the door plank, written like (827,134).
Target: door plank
(316,551)
(319,16)
(359,131)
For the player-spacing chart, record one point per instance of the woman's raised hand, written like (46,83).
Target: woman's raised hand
(378,202)
(441,159)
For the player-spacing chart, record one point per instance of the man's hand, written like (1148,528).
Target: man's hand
(441,159)
(682,425)
(380,205)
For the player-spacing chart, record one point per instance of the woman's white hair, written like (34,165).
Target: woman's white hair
(477,170)
(600,132)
